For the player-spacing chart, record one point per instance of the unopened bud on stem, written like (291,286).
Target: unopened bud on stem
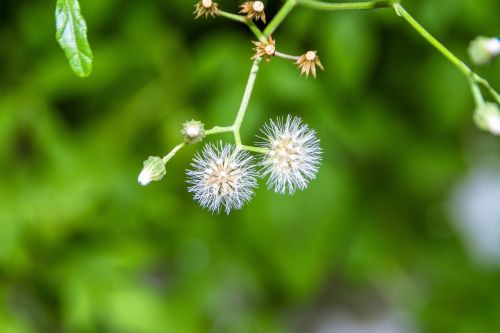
(483,49)
(193,131)
(487,117)
(153,170)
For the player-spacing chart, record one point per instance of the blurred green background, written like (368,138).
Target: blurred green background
(400,232)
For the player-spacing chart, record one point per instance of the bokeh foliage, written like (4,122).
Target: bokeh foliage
(84,248)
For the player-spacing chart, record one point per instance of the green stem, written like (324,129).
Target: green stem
(255,29)
(171,154)
(320,5)
(476,92)
(447,53)
(218,129)
(255,149)
(244,102)
(280,16)
(242,19)
(433,41)
(486,85)
(286,56)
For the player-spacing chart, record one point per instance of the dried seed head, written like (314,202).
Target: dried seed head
(270,49)
(222,178)
(193,131)
(265,49)
(153,170)
(487,117)
(258,6)
(253,10)
(310,55)
(308,62)
(293,154)
(206,8)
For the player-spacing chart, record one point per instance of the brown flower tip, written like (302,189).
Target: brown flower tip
(307,63)
(265,49)
(253,10)
(205,7)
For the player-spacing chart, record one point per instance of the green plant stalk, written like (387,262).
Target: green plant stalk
(433,41)
(280,17)
(476,92)
(447,53)
(255,29)
(258,150)
(235,128)
(218,130)
(474,79)
(486,85)
(174,151)
(244,102)
(242,19)
(320,5)
(286,56)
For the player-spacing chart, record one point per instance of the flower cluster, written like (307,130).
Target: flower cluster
(224,178)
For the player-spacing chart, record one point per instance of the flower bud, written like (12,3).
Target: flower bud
(153,170)
(483,49)
(487,117)
(193,131)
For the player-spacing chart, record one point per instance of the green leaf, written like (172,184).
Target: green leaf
(71,33)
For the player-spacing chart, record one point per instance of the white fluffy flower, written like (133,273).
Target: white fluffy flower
(222,178)
(293,154)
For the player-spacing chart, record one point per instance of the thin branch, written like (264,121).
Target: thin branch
(280,17)
(244,102)
(447,53)
(171,154)
(255,149)
(321,5)
(218,130)
(286,56)
(433,41)
(242,19)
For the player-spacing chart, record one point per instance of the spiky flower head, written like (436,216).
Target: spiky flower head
(153,170)
(222,178)
(487,117)
(253,10)
(483,49)
(293,155)
(308,62)
(265,49)
(205,7)
(193,131)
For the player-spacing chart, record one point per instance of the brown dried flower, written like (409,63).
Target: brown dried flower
(253,10)
(205,7)
(266,49)
(307,63)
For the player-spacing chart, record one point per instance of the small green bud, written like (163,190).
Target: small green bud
(153,170)
(483,49)
(193,131)
(487,117)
